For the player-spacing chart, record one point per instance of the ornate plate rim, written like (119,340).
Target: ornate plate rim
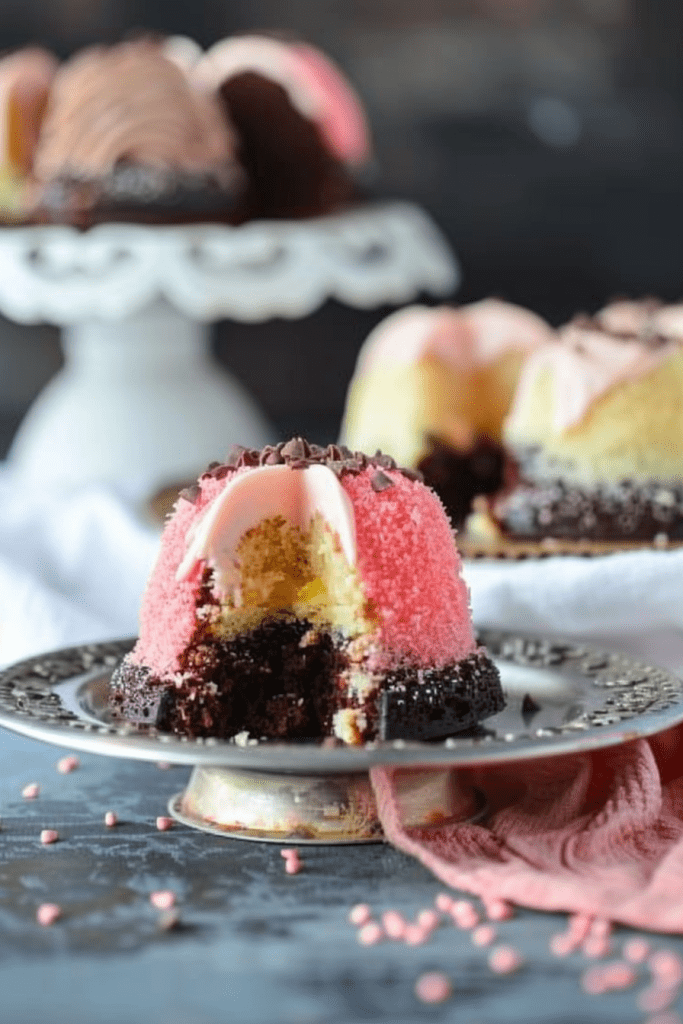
(39,698)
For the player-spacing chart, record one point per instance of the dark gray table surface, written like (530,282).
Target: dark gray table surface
(255,945)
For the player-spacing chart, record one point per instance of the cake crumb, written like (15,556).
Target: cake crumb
(48,913)
(505,960)
(111,819)
(65,765)
(433,987)
(49,835)
(163,823)
(162,899)
(31,791)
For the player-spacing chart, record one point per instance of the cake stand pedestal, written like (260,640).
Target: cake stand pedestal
(140,399)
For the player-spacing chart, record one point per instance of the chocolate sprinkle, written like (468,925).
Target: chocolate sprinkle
(380,481)
(299,454)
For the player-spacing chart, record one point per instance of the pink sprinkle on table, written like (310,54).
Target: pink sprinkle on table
(31,791)
(49,835)
(666,966)
(111,819)
(414,935)
(636,951)
(292,861)
(444,902)
(428,919)
(499,910)
(360,914)
(563,944)
(656,997)
(484,935)
(433,987)
(162,899)
(464,914)
(48,913)
(164,824)
(370,934)
(596,947)
(505,960)
(395,924)
(68,764)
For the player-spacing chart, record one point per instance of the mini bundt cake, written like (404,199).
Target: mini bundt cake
(432,387)
(304,592)
(596,430)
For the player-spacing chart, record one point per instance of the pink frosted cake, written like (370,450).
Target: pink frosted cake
(304,592)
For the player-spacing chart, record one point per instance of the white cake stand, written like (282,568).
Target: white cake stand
(139,399)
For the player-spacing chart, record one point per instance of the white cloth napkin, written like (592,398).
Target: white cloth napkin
(72,567)
(632,601)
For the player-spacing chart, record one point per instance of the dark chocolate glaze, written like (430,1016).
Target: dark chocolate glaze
(627,511)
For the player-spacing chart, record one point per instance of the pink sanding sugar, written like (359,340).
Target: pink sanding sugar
(484,935)
(49,835)
(428,919)
(164,824)
(48,913)
(433,987)
(395,924)
(292,861)
(31,791)
(110,819)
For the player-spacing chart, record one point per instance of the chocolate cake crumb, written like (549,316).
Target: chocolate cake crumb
(529,708)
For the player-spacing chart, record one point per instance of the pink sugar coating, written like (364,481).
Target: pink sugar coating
(433,987)
(48,913)
(360,914)
(406,557)
(505,960)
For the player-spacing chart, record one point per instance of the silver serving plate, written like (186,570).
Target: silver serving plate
(562,697)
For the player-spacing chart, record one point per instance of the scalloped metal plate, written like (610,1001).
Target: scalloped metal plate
(585,699)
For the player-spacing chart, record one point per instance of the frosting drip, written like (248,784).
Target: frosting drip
(464,338)
(586,361)
(129,103)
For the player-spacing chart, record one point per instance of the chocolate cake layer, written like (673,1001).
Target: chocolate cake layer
(459,476)
(430,704)
(627,510)
(282,682)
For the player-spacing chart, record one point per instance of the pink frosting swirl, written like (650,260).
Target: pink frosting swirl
(130,103)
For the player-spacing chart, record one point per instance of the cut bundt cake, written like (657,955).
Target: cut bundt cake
(432,387)
(305,592)
(596,430)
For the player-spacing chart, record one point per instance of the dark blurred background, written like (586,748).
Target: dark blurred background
(544,136)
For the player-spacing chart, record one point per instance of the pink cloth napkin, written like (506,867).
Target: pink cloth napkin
(598,832)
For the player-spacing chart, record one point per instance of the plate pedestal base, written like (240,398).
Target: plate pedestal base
(338,808)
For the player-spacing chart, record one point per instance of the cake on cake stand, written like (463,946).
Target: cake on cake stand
(582,699)
(140,400)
